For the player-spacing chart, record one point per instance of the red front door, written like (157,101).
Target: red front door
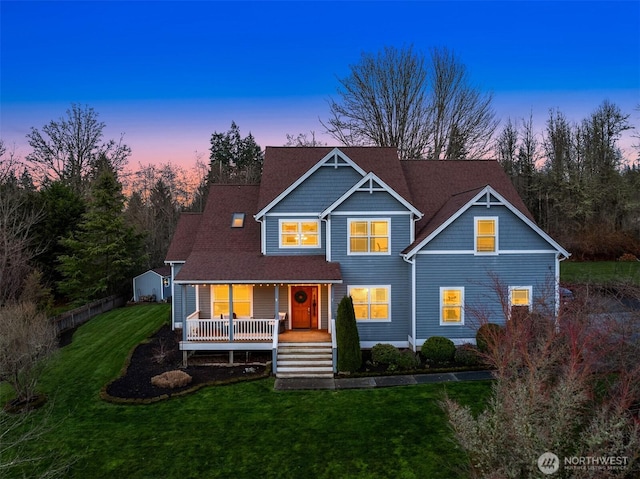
(304,307)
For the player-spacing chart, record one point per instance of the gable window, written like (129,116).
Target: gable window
(371,303)
(451,305)
(369,236)
(241,300)
(486,235)
(299,234)
(519,301)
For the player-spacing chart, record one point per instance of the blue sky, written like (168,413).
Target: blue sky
(168,74)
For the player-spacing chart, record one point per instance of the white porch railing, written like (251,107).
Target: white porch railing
(218,329)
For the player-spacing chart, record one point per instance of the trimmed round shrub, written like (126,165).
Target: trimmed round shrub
(467,355)
(384,354)
(438,349)
(407,360)
(485,334)
(171,379)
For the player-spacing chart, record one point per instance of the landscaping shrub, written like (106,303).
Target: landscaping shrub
(487,333)
(438,349)
(384,354)
(347,337)
(171,379)
(407,360)
(466,355)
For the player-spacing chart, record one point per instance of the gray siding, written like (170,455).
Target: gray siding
(477,274)
(513,233)
(389,269)
(204,298)
(319,191)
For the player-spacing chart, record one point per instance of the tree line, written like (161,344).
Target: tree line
(78,220)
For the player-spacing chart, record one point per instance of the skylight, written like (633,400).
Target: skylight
(237,220)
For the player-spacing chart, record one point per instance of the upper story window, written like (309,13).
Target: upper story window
(369,236)
(371,302)
(299,234)
(486,235)
(452,305)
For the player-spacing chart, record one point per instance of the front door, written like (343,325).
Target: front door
(304,307)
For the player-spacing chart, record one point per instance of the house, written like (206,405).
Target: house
(419,246)
(153,285)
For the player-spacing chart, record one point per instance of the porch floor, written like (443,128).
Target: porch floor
(305,336)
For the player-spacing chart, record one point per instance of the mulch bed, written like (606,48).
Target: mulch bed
(161,353)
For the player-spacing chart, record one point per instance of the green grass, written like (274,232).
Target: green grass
(600,272)
(241,430)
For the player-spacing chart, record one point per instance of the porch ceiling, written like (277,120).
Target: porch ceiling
(256,268)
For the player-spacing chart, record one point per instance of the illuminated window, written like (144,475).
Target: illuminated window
(299,234)
(237,220)
(486,235)
(371,303)
(369,236)
(241,300)
(519,301)
(451,305)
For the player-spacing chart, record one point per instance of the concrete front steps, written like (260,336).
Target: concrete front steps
(304,360)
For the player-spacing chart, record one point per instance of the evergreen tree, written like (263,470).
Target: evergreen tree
(104,252)
(347,337)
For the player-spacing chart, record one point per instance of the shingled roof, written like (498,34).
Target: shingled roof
(213,251)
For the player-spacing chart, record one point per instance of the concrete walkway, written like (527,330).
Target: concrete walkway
(296,384)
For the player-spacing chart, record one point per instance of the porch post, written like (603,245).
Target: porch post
(276,300)
(183,314)
(231,312)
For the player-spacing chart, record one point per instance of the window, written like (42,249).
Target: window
(486,235)
(241,300)
(299,234)
(451,305)
(371,302)
(369,236)
(237,220)
(519,301)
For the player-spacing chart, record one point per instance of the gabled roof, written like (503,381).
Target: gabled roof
(286,166)
(183,238)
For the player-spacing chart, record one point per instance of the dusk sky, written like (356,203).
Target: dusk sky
(169,74)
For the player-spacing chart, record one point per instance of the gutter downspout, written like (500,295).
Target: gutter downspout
(412,262)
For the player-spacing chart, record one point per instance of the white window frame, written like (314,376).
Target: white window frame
(368,253)
(388,303)
(514,288)
(475,235)
(299,221)
(441,303)
(213,299)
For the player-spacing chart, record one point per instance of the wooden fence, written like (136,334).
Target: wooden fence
(75,317)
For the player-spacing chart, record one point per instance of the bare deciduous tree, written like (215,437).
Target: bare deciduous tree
(383,103)
(69,148)
(302,139)
(27,338)
(561,386)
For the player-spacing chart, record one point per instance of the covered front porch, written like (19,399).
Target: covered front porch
(256,316)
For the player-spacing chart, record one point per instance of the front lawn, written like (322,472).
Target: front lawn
(605,273)
(242,430)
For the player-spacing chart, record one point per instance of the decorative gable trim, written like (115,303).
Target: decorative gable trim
(370,183)
(487,197)
(335,159)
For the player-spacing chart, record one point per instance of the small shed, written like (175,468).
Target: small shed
(154,285)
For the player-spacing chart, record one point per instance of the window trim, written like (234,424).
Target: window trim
(299,221)
(476,219)
(515,288)
(213,299)
(441,304)
(368,220)
(372,286)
